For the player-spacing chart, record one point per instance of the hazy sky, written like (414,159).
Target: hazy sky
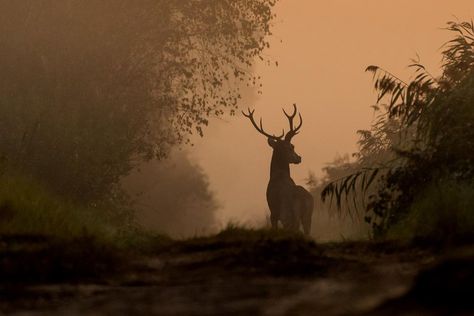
(322,48)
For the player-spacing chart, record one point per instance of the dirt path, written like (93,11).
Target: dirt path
(337,279)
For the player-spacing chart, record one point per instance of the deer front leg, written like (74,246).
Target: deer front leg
(274,204)
(287,213)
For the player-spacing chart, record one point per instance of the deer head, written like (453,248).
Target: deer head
(282,146)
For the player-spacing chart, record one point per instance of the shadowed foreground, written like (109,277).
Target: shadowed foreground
(237,272)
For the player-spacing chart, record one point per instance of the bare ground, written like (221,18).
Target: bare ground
(262,277)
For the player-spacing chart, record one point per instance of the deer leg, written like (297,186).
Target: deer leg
(295,225)
(296,218)
(307,225)
(307,215)
(307,219)
(274,220)
(288,213)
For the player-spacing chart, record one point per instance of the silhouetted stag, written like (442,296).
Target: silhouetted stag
(289,203)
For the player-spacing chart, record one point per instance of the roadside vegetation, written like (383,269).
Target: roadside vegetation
(412,177)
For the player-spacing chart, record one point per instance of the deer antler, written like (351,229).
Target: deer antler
(249,115)
(293,131)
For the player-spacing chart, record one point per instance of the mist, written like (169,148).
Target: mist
(322,50)
(173,197)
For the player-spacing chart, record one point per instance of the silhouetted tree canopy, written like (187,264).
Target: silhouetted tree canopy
(88,89)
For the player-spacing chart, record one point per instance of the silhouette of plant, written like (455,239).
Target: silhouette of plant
(422,135)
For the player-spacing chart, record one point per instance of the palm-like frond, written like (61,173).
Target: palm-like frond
(343,189)
(405,100)
(458,55)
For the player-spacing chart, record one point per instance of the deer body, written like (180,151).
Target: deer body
(289,203)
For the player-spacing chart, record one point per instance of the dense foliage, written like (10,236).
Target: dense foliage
(421,146)
(89,89)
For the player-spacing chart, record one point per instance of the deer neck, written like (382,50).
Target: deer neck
(279,168)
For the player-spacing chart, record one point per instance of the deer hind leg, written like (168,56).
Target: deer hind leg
(307,224)
(307,214)
(291,222)
(274,219)
(296,215)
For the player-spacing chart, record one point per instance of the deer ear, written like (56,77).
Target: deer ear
(272,142)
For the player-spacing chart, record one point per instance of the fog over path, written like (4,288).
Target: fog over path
(322,49)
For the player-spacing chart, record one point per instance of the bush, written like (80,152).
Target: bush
(424,189)
(443,213)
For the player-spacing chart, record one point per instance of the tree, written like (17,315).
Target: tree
(89,89)
(433,120)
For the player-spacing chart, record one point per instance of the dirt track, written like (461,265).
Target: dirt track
(331,279)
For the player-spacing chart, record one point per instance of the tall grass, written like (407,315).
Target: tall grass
(444,213)
(28,208)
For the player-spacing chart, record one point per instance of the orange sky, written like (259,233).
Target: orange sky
(322,48)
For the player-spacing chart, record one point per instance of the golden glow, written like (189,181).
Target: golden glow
(322,48)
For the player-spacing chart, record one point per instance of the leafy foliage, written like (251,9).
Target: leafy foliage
(88,89)
(424,134)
